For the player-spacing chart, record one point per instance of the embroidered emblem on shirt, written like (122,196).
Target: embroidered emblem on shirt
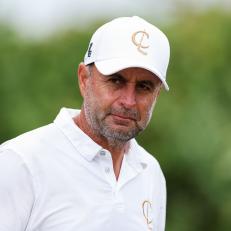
(147,209)
(138,39)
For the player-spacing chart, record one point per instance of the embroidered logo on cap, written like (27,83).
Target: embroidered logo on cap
(138,39)
(89,52)
(147,209)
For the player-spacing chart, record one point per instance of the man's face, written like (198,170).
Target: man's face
(119,106)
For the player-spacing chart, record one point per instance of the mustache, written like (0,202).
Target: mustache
(130,113)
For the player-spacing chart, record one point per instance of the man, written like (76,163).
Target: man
(85,171)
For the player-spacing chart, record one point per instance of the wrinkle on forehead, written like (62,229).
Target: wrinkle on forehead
(134,74)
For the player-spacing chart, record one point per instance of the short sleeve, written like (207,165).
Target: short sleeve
(16,192)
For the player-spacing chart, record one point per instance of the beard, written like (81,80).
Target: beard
(101,125)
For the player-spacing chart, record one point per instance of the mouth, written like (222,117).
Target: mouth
(122,119)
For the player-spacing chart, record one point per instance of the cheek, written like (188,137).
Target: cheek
(146,104)
(107,97)
(146,108)
(100,97)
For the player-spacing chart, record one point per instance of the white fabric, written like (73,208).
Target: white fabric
(56,178)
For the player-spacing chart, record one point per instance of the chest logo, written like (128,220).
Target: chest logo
(147,209)
(138,38)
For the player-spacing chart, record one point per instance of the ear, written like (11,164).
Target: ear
(83,76)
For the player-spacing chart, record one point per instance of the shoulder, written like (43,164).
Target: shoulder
(13,168)
(32,140)
(31,148)
(24,154)
(17,190)
(29,136)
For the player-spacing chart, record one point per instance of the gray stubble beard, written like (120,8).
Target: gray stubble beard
(101,128)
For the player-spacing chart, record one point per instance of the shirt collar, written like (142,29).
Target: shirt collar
(136,157)
(82,142)
(87,147)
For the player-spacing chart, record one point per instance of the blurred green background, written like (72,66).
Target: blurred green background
(190,130)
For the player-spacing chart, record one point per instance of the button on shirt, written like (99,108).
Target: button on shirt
(55,178)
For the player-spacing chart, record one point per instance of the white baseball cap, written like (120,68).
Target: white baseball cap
(129,42)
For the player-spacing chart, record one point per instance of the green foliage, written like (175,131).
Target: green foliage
(36,79)
(190,130)
(192,126)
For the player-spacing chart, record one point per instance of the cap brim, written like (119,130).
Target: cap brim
(109,67)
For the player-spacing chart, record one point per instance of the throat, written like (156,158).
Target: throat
(117,147)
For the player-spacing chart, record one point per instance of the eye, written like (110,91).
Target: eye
(145,86)
(116,80)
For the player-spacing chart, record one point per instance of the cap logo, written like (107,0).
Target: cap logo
(89,52)
(138,39)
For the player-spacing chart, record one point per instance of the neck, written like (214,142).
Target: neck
(116,148)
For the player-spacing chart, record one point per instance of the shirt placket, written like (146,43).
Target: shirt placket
(127,173)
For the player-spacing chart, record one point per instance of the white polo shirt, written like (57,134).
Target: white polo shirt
(55,178)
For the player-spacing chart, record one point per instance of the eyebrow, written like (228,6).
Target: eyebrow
(149,82)
(117,75)
(152,84)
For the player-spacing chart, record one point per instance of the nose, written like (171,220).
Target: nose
(128,96)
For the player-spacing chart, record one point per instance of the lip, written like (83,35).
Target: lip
(122,117)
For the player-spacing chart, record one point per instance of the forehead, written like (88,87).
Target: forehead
(135,74)
(138,74)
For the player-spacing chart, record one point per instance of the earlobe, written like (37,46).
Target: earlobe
(82,78)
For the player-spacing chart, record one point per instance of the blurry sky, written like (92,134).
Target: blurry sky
(42,17)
